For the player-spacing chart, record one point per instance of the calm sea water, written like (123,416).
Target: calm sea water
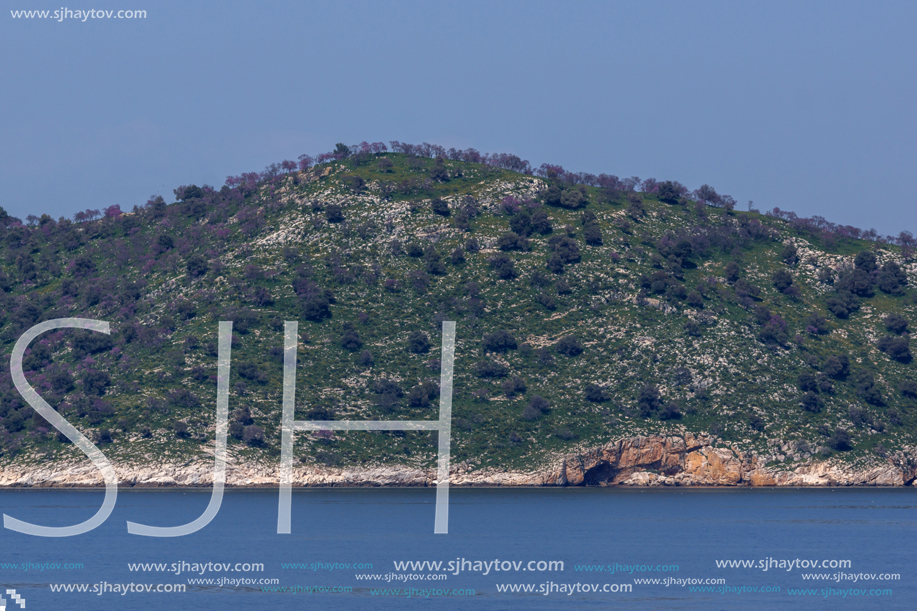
(679,533)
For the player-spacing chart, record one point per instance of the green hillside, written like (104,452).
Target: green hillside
(582,314)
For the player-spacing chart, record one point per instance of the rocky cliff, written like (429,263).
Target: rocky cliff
(657,460)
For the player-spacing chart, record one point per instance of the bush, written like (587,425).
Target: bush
(908,388)
(569,346)
(503,266)
(334,213)
(595,393)
(838,367)
(782,280)
(250,371)
(180,428)
(592,234)
(316,307)
(807,382)
(810,402)
(511,241)
(418,342)
(351,341)
(490,369)
(513,386)
(817,324)
(891,279)
(896,323)
(866,387)
(253,435)
(197,266)
(539,403)
(648,400)
(840,441)
(499,341)
(732,271)
(440,207)
(236,430)
(897,348)
(842,304)
(422,394)
(95,382)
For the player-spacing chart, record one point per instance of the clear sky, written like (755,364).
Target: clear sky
(809,106)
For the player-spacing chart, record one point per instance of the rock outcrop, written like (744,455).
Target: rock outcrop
(655,460)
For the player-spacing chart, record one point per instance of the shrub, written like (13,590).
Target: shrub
(817,324)
(648,400)
(896,323)
(250,371)
(595,393)
(511,241)
(840,440)
(908,388)
(365,359)
(503,266)
(418,342)
(334,213)
(180,428)
(807,382)
(810,402)
(490,369)
(351,341)
(499,341)
(789,254)
(897,348)
(866,387)
(513,386)
(592,234)
(782,280)
(539,403)
(422,394)
(95,382)
(838,366)
(891,279)
(440,207)
(253,435)
(569,346)
(197,266)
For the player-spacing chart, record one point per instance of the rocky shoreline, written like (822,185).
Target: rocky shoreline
(655,460)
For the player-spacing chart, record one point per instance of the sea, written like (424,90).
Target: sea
(527,548)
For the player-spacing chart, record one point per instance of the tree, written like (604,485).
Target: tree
(341,150)
(439,172)
(667,191)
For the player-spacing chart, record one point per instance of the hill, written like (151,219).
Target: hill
(586,311)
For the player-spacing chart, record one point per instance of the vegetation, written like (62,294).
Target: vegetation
(587,308)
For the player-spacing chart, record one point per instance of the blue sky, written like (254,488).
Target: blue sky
(806,106)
